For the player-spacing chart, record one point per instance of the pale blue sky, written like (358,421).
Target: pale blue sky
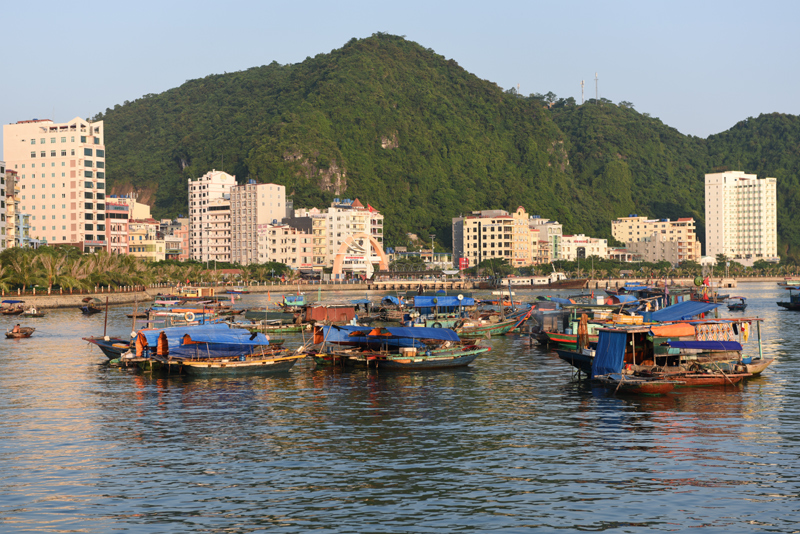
(698,66)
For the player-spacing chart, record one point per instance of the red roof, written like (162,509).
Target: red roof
(357,204)
(685,219)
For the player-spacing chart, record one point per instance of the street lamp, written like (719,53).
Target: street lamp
(433,249)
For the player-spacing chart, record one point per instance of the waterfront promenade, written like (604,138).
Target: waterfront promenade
(144,295)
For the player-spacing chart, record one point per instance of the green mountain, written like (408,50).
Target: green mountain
(422,140)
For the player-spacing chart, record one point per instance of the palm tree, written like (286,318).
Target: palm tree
(52,268)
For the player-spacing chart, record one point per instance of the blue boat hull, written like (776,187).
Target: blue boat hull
(578,360)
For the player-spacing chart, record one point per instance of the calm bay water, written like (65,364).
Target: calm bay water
(511,443)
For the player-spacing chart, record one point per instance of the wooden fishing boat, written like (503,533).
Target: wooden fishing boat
(793,304)
(393,348)
(564,340)
(91,306)
(237,291)
(741,305)
(138,315)
(245,365)
(24,331)
(32,312)
(756,367)
(477,330)
(581,360)
(112,347)
(635,385)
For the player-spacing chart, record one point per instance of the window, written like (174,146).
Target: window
(72,152)
(87,151)
(100,175)
(33,154)
(87,174)
(87,185)
(89,237)
(42,153)
(97,140)
(63,154)
(100,153)
(87,163)
(83,139)
(33,141)
(52,153)
(101,164)
(88,216)
(101,227)
(89,227)
(101,216)
(101,196)
(88,195)
(52,139)
(72,139)
(100,185)
(63,139)
(41,141)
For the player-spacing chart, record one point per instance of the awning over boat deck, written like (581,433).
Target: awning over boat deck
(707,345)
(683,311)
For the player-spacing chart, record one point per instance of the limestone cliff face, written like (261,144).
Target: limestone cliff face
(330,178)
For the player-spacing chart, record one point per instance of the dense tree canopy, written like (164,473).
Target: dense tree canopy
(422,140)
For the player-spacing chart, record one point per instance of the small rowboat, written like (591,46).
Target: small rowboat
(25,331)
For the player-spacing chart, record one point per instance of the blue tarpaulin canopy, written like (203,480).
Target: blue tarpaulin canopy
(683,311)
(559,300)
(635,288)
(13,301)
(360,301)
(610,353)
(625,298)
(390,300)
(444,301)
(391,336)
(707,345)
(205,341)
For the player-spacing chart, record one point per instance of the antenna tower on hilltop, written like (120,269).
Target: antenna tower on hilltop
(596,91)
(581,92)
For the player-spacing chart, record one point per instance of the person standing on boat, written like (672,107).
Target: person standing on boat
(15,329)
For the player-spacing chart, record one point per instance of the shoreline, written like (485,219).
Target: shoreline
(148,294)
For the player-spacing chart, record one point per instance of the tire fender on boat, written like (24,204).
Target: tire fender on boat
(437,325)
(189,316)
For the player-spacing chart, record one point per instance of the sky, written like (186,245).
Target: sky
(699,66)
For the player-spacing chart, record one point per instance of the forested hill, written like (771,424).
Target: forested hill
(422,140)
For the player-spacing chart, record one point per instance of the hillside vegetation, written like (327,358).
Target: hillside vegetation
(422,140)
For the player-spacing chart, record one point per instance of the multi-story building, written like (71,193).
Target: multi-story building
(290,246)
(11,199)
(217,231)
(577,247)
(3,211)
(656,240)
(550,231)
(515,237)
(254,206)
(117,217)
(347,237)
(143,241)
(741,217)
(61,169)
(212,187)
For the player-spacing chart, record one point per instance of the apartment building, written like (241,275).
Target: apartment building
(741,217)
(254,207)
(61,170)
(214,188)
(550,231)
(11,208)
(655,240)
(290,246)
(3,210)
(577,247)
(117,217)
(346,235)
(143,241)
(519,238)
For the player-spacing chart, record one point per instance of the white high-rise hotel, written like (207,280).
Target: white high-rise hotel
(741,220)
(210,216)
(62,180)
